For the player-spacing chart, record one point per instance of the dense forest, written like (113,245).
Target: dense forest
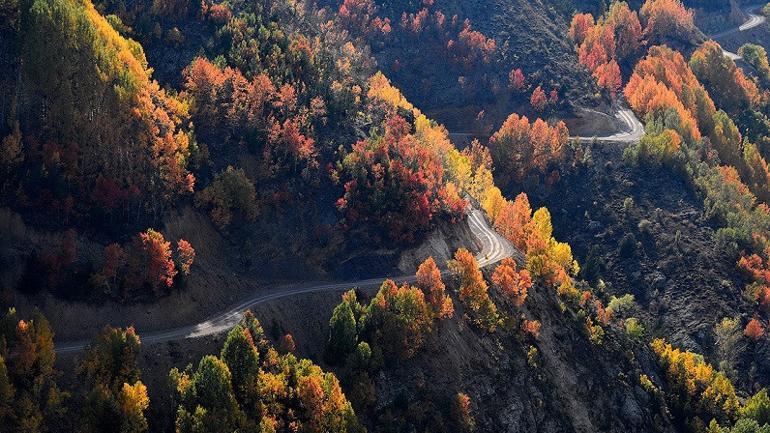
(385,216)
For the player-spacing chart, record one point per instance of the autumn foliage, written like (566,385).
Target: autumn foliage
(429,281)
(471,46)
(731,90)
(616,38)
(231,195)
(150,262)
(250,384)
(232,110)
(395,324)
(117,399)
(758,268)
(532,233)
(474,290)
(396,184)
(667,19)
(360,16)
(513,220)
(513,282)
(663,81)
(696,389)
(27,375)
(520,148)
(516,79)
(112,124)
(754,329)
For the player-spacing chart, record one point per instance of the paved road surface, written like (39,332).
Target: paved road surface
(632,131)
(494,249)
(753,21)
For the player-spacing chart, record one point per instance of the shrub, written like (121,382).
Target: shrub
(622,304)
(634,329)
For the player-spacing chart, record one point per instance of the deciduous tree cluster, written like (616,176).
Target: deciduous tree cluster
(615,39)
(249,386)
(521,148)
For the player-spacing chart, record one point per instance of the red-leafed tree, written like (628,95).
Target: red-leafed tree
(471,47)
(581,25)
(608,76)
(395,185)
(538,100)
(149,262)
(360,17)
(516,79)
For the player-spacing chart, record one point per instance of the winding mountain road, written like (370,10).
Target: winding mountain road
(494,248)
(754,20)
(632,130)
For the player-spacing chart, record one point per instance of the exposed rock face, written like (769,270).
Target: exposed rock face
(441,244)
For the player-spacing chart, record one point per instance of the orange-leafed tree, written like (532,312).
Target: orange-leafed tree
(614,39)
(608,77)
(513,221)
(758,268)
(667,19)
(513,282)
(726,82)
(580,26)
(520,148)
(531,327)
(473,287)
(474,291)
(185,256)
(429,281)
(754,329)
(663,81)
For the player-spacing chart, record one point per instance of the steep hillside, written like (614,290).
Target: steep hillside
(235,216)
(454,59)
(636,229)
